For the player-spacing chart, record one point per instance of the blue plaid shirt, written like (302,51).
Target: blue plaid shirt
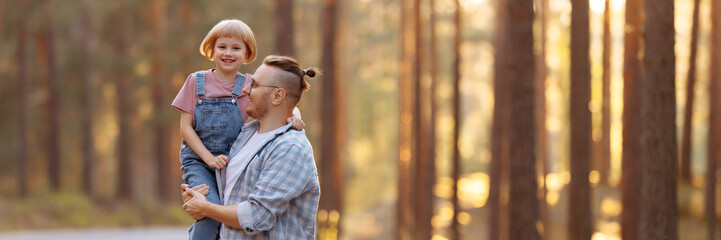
(277,193)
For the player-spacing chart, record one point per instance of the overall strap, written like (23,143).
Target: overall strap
(239,80)
(200,83)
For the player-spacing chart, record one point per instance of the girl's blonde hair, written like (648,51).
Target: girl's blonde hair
(232,28)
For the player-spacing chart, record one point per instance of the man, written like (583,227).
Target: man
(269,188)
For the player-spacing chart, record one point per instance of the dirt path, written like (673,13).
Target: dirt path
(168,233)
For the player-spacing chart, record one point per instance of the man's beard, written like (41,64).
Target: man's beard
(257,109)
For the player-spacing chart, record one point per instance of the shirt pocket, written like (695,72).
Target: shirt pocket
(216,119)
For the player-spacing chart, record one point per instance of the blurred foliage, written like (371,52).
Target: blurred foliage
(74,210)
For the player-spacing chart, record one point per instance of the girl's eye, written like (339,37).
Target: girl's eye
(222,47)
(237,48)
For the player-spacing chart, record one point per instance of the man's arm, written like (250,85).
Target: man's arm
(279,182)
(285,174)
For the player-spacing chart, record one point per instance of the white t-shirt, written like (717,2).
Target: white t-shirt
(245,154)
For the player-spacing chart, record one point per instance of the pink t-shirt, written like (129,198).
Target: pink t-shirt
(186,99)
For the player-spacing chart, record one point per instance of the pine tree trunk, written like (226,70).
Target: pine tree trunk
(631,164)
(523,203)
(541,131)
(125,189)
(165,190)
(688,114)
(604,165)
(52,142)
(405,211)
(660,155)
(22,93)
(499,135)
(430,148)
(331,168)
(423,186)
(579,208)
(714,152)
(284,33)
(455,233)
(87,99)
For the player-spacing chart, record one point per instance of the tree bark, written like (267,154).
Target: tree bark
(660,155)
(541,131)
(714,153)
(455,233)
(22,93)
(86,42)
(499,134)
(124,184)
(423,182)
(430,148)
(52,106)
(404,213)
(604,160)
(688,114)
(631,164)
(332,142)
(158,15)
(284,33)
(579,208)
(523,204)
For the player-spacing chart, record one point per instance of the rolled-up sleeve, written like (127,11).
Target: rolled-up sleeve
(245,218)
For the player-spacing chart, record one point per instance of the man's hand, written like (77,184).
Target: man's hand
(195,205)
(217,162)
(204,189)
(298,123)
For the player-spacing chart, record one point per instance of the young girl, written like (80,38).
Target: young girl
(213,111)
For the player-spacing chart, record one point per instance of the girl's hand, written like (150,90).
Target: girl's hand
(202,188)
(298,123)
(296,119)
(217,162)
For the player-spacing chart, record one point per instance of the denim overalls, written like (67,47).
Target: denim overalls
(217,121)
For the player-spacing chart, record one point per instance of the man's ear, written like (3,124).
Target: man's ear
(278,96)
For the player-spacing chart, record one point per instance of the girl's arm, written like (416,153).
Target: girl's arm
(193,141)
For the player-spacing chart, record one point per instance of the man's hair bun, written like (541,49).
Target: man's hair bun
(310,72)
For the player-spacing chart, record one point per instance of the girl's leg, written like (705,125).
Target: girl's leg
(196,173)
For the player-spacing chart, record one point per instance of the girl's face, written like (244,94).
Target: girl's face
(229,54)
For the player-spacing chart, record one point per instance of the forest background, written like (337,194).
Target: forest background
(412,101)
